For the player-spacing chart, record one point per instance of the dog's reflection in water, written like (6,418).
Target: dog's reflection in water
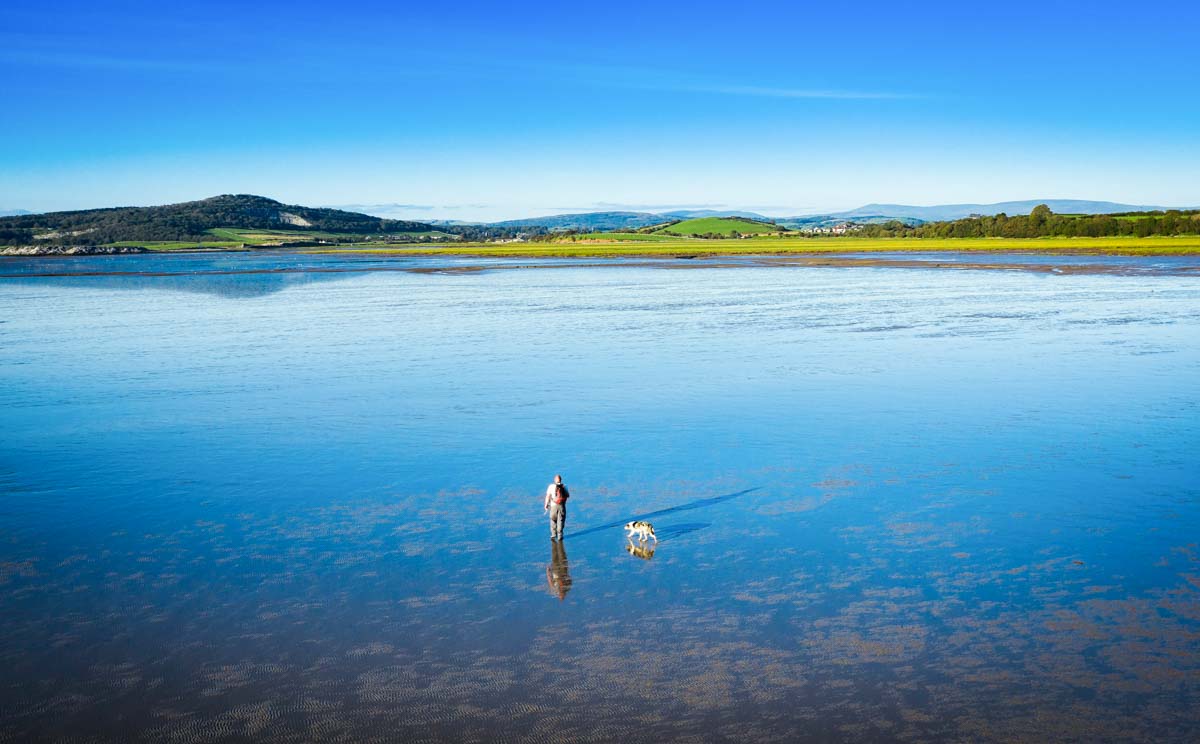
(641,550)
(558,573)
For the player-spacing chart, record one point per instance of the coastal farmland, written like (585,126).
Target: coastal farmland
(248,222)
(621,237)
(228,238)
(682,247)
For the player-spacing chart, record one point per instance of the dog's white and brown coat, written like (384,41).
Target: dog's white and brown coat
(643,530)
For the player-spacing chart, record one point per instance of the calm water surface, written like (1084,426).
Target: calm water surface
(920,504)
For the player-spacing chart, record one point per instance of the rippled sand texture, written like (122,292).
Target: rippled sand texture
(892,504)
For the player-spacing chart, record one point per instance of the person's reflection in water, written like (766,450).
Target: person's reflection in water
(644,552)
(558,573)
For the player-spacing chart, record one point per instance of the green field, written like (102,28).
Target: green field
(259,237)
(179,245)
(230,238)
(254,237)
(718,226)
(1153,246)
(618,237)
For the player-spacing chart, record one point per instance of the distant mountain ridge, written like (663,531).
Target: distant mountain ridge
(612,221)
(941,212)
(869,213)
(589,221)
(691,214)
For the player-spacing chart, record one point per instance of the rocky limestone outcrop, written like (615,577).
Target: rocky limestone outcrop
(69,250)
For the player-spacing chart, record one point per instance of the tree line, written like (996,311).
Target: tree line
(1042,223)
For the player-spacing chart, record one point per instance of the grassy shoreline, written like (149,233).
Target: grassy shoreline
(1116,246)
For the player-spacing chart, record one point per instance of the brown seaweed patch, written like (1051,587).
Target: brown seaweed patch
(25,569)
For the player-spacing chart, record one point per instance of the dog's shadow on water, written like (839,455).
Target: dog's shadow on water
(667,531)
(672,531)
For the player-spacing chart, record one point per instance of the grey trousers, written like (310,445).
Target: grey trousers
(558,519)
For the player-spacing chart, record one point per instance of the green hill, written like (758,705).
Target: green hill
(194,221)
(724,226)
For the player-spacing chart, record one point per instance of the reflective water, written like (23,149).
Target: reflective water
(891,503)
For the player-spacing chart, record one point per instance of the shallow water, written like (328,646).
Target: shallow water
(892,503)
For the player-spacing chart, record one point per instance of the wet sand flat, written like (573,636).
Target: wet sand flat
(285,262)
(299,498)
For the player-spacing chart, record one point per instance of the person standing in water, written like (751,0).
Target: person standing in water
(555,504)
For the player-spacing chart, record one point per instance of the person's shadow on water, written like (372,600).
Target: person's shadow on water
(558,573)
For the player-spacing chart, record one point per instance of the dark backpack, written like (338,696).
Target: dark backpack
(560,493)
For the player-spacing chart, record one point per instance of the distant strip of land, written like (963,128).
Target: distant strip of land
(616,245)
(766,246)
(254,223)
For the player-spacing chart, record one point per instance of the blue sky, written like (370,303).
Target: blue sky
(494,110)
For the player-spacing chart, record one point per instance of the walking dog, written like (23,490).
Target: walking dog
(643,530)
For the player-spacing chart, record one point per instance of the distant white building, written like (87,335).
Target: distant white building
(839,229)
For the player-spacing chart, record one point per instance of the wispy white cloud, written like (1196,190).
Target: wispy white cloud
(50,51)
(387,206)
(678,80)
(764,92)
(83,60)
(637,206)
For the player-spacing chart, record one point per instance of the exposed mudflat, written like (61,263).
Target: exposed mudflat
(267,262)
(282,497)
